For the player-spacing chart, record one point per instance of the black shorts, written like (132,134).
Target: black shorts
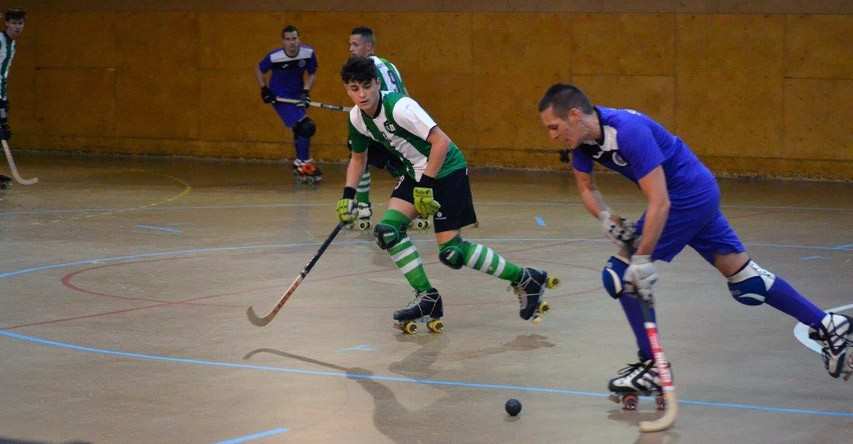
(453,192)
(379,157)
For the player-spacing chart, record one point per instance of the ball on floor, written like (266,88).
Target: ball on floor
(513,407)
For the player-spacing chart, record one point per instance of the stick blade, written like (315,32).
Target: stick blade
(667,420)
(258,321)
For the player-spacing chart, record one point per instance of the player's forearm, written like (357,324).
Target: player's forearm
(355,168)
(592,199)
(439,145)
(309,81)
(656,215)
(262,81)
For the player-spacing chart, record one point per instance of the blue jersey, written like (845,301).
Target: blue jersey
(288,72)
(633,144)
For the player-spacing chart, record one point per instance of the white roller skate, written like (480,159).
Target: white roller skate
(835,332)
(363,215)
(306,172)
(420,224)
(426,307)
(530,291)
(638,379)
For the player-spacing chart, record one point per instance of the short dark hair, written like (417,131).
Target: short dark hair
(365,33)
(15,14)
(564,97)
(358,69)
(289,28)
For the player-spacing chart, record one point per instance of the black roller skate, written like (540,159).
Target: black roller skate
(426,307)
(420,224)
(530,291)
(306,172)
(835,332)
(638,379)
(5,182)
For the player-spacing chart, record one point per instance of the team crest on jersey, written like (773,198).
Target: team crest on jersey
(390,127)
(302,63)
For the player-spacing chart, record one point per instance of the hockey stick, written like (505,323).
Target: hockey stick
(344,109)
(14,169)
(668,419)
(262,322)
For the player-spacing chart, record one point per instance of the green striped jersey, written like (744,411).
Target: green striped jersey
(389,77)
(402,126)
(7,53)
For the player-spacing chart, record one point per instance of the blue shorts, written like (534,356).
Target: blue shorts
(289,113)
(703,227)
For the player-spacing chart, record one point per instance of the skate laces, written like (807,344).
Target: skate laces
(834,336)
(631,368)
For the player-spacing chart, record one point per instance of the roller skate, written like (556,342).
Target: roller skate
(638,379)
(835,332)
(306,172)
(362,218)
(530,291)
(426,307)
(420,224)
(5,182)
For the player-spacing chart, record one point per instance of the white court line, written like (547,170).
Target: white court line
(801,331)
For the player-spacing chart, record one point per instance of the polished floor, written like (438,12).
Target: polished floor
(124,284)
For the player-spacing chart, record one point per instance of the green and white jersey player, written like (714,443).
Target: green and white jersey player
(362,42)
(434,184)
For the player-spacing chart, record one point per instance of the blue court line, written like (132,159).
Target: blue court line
(258,435)
(193,251)
(540,221)
(844,247)
(159,228)
(400,379)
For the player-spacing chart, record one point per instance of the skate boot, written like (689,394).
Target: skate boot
(530,291)
(420,224)
(426,307)
(835,332)
(306,172)
(362,218)
(5,182)
(638,379)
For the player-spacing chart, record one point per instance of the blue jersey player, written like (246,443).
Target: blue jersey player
(683,209)
(15,19)
(290,72)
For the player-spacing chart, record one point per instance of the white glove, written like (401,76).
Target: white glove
(618,230)
(640,277)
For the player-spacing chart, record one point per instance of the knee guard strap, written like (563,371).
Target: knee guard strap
(611,275)
(304,128)
(750,285)
(387,235)
(452,254)
(391,229)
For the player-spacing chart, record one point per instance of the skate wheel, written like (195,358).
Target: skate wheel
(660,402)
(613,397)
(629,402)
(552,282)
(435,326)
(409,327)
(363,225)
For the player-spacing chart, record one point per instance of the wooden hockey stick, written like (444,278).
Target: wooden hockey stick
(661,364)
(262,322)
(14,168)
(668,419)
(344,109)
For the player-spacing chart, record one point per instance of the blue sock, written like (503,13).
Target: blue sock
(785,298)
(634,313)
(302,145)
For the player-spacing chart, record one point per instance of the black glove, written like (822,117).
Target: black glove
(304,99)
(564,156)
(266,95)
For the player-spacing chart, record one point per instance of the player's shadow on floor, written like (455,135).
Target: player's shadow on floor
(392,418)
